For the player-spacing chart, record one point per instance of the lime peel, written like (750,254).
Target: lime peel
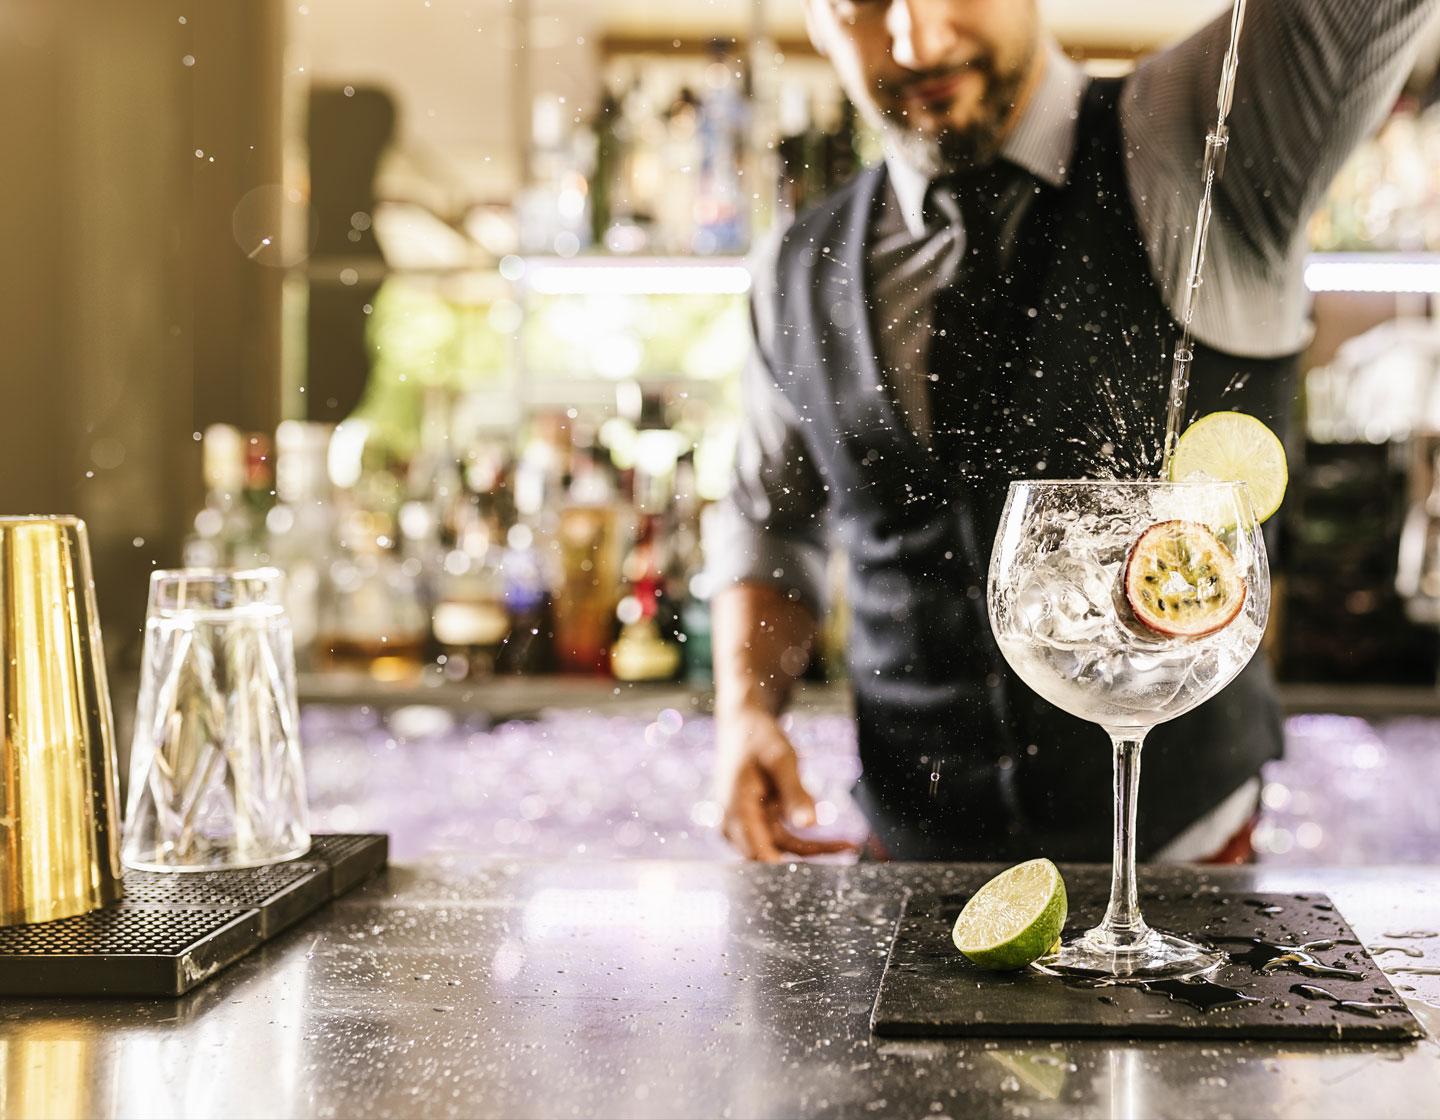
(1015,918)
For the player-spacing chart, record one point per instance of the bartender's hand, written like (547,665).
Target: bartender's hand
(759,782)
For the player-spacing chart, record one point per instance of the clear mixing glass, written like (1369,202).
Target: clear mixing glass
(216,779)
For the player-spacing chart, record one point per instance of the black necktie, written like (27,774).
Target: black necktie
(965,386)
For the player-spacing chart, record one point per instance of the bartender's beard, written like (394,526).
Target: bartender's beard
(944,146)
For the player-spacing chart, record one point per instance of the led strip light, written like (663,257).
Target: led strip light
(1373,272)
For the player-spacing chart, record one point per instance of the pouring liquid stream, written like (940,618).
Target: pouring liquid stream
(1216,144)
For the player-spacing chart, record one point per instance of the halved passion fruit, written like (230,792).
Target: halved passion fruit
(1181,580)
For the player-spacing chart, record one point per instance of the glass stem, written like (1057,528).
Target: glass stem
(1123,925)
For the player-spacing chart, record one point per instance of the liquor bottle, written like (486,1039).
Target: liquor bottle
(552,210)
(804,161)
(300,528)
(842,152)
(225,531)
(627,175)
(542,468)
(258,494)
(373,620)
(433,477)
(675,206)
(470,622)
(646,649)
(434,491)
(606,188)
(696,627)
(686,584)
(643,175)
(592,527)
(759,147)
(684,511)
(529,647)
(1417,575)
(722,206)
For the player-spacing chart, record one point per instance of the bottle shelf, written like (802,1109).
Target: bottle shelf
(601,274)
(596,274)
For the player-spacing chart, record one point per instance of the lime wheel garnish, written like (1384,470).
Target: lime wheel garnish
(1181,580)
(1234,447)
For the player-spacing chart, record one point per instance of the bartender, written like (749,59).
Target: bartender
(996,300)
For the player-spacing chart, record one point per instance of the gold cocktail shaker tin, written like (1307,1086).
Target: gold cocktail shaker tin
(59,818)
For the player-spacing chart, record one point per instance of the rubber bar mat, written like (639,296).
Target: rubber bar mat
(173,931)
(1295,971)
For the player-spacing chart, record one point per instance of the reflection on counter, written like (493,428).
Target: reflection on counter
(53,1063)
(452,989)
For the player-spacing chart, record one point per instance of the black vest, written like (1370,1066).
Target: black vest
(962,760)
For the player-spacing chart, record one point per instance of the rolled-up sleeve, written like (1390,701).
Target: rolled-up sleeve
(1315,76)
(771,526)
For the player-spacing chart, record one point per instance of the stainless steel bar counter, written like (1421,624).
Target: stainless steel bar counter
(464,986)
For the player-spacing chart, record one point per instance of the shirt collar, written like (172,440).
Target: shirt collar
(1042,141)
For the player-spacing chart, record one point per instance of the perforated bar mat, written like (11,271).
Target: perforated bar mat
(929,990)
(173,931)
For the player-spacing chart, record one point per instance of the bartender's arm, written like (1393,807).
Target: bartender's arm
(766,548)
(760,637)
(1315,77)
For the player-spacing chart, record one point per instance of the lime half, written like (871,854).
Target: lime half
(1015,918)
(1234,447)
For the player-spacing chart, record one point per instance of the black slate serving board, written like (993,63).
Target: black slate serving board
(173,931)
(929,990)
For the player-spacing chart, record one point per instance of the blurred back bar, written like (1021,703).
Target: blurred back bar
(131,316)
(278,292)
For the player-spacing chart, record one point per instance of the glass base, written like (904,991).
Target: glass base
(218,860)
(1156,956)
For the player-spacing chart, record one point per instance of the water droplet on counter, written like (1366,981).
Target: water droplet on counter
(1266,957)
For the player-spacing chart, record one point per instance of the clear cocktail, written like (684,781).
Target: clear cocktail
(1128,604)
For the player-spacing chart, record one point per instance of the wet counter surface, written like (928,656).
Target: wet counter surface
(470,987)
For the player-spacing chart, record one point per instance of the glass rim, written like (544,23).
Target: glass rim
(178,590)
(1189,484)
(217,575)
(40,519)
